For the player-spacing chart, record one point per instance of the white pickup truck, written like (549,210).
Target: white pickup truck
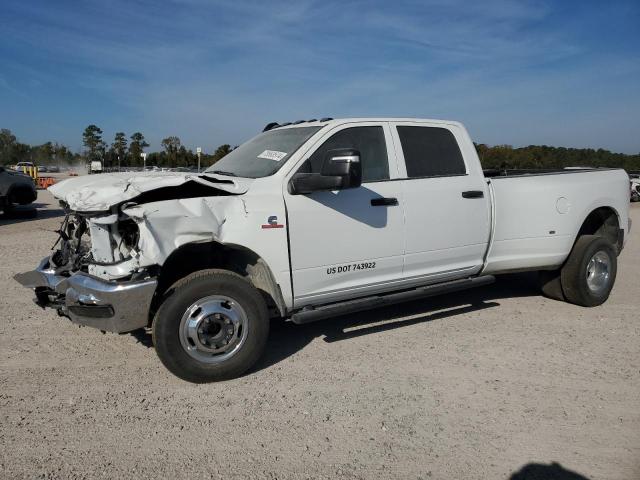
(314,219)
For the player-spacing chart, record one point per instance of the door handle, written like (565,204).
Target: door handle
(384,202)
(473,194)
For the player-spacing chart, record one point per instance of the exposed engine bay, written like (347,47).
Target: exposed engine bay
(103,246)
(119,231)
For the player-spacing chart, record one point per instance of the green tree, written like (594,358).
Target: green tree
(8,143)
(92,140)
(136,147)
(186,158)
(119,147)
(62,154)
(221,151)
(171,146)
(43,154)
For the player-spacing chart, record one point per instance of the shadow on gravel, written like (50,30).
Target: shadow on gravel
(29,212)
(539,471)
(143,336)
(286,338)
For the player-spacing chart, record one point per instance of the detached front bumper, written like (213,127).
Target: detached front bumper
(106,305)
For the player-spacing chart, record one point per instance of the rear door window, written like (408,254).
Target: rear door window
(430,152)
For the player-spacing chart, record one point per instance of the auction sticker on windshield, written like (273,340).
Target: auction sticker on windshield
(273,155)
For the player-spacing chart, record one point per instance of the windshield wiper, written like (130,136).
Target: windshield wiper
(222,172)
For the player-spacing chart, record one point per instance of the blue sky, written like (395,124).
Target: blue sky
(518,72)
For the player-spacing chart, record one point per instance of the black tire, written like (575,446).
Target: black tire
(551,285)
(23,195)
(574,273)
(198,287)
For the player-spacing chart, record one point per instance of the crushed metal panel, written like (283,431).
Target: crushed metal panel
(189,220)
(98,193)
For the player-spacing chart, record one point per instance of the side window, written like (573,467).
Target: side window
(369,141)
(430,151)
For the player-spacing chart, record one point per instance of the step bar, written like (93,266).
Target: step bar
(309,315)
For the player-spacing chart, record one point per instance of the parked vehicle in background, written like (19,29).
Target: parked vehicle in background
(95,166)
(15,189)
(635,189)
(19,166)
(42,169)
(314,219)
(54,169)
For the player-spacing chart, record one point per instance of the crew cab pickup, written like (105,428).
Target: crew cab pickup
(314,219)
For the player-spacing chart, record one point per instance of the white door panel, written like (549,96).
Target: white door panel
(446,235)
(340,243)
(444,231)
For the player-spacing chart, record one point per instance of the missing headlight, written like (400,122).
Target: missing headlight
(129,235)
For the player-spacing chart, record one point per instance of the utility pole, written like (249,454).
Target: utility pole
(199,152)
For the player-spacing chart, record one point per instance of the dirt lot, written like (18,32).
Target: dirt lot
(496,383)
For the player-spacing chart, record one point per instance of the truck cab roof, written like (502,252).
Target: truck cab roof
(332,122)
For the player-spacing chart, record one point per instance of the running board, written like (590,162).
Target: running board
(367,303)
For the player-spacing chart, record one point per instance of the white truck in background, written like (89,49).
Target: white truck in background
(314,219)
(635,188)
(95,166)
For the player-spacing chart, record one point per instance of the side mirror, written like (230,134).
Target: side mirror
(341,169)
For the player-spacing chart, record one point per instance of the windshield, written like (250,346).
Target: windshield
(263,155)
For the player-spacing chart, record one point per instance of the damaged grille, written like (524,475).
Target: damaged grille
(92,244)
(74,245)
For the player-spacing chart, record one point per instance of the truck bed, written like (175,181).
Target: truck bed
(514,172)
(537,216)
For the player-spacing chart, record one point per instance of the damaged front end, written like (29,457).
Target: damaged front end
(93,275)
(118,232)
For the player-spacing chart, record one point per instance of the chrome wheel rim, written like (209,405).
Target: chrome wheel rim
(598,272)
(213,329)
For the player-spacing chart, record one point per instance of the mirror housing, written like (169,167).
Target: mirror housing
(341,169)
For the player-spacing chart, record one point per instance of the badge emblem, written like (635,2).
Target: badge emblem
(272,222)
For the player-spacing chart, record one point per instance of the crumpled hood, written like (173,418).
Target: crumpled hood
(98,193)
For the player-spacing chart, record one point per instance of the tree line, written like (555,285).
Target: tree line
(12,151)
(125,151)
(545,157)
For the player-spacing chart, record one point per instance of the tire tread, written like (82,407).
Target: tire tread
(177,361)
(573,280)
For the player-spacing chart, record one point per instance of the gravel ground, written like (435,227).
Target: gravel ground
(495,383)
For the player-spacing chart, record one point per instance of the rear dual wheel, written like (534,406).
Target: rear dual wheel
(588,275)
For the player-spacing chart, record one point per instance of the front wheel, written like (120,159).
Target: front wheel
(212,326)
(590,271)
